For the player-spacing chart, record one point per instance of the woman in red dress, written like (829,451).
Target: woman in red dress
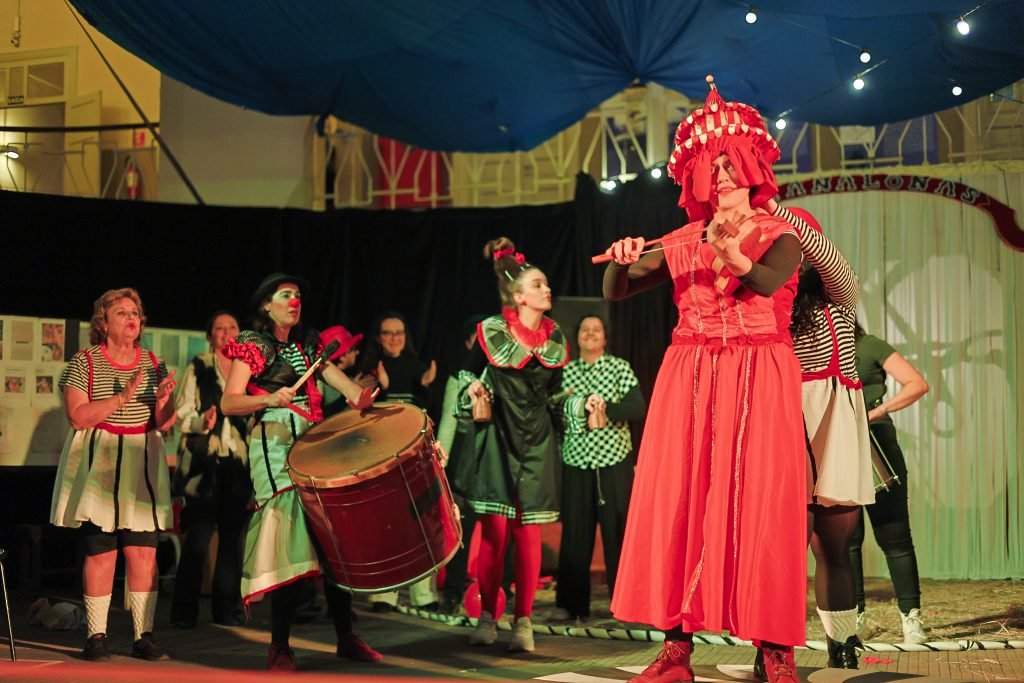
(716,533)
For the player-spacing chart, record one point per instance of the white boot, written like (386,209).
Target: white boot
(522,636)
(913,627)
(486,631)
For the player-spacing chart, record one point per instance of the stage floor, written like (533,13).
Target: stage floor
(419,647)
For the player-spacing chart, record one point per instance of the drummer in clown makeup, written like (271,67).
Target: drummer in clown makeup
(280,552)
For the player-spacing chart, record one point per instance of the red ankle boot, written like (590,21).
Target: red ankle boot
(779,665)
(281,658)
(671,665)
(351,646)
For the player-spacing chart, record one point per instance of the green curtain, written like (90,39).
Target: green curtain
(939,284)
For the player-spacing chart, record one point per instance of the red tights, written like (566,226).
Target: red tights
(495,532)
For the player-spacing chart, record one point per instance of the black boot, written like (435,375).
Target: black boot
(96,649)
(759,672)
(842,655)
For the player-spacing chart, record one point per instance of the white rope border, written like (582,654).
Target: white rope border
(654,636)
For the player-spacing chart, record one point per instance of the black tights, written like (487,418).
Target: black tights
(285,600)
(830,530)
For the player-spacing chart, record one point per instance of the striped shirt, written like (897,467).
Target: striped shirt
(815,349)
(93,373)
(270,351)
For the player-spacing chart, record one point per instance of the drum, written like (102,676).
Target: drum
(376,497)
(881,469)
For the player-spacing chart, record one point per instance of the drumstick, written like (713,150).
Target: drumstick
(605,258)
(324,355)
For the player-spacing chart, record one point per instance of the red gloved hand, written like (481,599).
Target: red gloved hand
(366,397)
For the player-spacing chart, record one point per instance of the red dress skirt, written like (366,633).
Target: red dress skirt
(716,532)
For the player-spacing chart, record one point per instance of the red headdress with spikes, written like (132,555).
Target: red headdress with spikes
(719,127)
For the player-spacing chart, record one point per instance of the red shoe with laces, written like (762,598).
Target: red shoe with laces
(779,665)
(351,646)
(671,665)
(281,658)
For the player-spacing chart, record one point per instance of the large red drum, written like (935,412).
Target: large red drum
(376,496)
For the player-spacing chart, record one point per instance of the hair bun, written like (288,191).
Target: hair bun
(497,245)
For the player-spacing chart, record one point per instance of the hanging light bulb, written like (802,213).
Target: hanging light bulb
(963,27)
(957,90)
(858,83)
(751,15)
(655,172)
(10,151)
(865,56)
(781,124)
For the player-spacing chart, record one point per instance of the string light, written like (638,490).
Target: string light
(608,185)
(957,90)
(963,27)
(781,124)
(858,83)
(751,15)
(865,56)
(655,172)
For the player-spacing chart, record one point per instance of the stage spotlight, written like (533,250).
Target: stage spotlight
(865,56)
(780,124)
(656,173)
(751,15)
(858,83)
(963,27)
(10,151)
(957,90)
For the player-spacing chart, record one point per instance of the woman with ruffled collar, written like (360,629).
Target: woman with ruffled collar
(280,551)
(510,384)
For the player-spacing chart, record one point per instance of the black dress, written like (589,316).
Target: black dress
(515,457)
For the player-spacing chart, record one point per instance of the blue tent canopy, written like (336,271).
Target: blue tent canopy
(476,75)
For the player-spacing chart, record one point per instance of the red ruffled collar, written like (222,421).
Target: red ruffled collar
(532,338)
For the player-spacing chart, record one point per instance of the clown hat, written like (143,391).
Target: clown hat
(719,127)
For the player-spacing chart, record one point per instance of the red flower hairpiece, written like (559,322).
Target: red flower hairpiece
(520,259)
(508,251)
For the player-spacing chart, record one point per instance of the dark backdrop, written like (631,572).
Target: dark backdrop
(60,253)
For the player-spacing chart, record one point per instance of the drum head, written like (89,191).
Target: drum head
(352,442)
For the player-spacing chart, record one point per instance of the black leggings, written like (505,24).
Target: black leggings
(890,520)
(830,531)
(285,600)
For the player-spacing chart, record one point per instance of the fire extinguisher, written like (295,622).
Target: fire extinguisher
(132,180)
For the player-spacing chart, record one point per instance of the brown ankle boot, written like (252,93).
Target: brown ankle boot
(779,665)
(672,664)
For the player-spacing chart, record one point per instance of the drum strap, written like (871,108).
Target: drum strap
(257,391)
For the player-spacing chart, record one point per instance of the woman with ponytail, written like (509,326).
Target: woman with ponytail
(510,385)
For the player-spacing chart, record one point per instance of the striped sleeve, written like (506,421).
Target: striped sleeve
(838,277)
(76,374)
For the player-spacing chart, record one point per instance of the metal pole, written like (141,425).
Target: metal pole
(7,605)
